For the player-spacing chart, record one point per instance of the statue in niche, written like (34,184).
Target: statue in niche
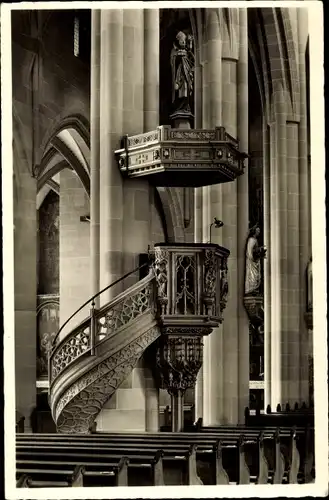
(309,276)
(254,254)
(182,66)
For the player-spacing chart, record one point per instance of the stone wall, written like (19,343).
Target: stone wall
(49,83)
(74,249)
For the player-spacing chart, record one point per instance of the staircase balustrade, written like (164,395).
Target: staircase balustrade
(107,320)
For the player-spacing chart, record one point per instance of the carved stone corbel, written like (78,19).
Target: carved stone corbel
(178,361)
(254,306)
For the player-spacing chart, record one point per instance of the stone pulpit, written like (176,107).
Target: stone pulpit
(191,294)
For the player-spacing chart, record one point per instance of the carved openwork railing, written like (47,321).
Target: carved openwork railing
(182,157)
(101,324)
(89,363)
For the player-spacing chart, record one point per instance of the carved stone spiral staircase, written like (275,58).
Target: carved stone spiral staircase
(180,300)
(90,363)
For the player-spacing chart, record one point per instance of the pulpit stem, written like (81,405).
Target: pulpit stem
(177,411)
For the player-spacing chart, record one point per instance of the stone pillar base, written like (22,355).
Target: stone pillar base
(182,119)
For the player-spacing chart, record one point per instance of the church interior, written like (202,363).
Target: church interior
(162,246)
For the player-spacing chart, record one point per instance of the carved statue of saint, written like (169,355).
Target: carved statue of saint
(182,67)
(309,275)
(254,255)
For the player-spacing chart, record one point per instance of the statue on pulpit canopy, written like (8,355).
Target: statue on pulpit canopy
(254,255)
(182,66)
(309,276)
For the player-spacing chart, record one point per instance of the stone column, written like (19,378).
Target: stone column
(25,282)
(151,68)
(267,264)
(278,251)
(230,219)
(177,414)
(226,369)
(242,215)
(132,54)
(295,320)
(95,152)
(198,76)
(212,206)
(304,202)
(111,131)
(136,191)
(288,249)
(151,121)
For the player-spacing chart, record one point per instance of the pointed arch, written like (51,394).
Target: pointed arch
(72,121)
(173,212)
(66,145)
(273,50)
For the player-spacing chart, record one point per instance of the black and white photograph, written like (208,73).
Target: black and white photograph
(164,249)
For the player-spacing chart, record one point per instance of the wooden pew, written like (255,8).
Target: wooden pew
(113,472)
(269,426)
(102,472)
(116,474)
(172,443)
(157,469)
(263,467)
(22,481)
(136,449)
(147,444)
(203,436)
(192,475)
(300,417)
(304,442)
(294,460)
(37,477)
